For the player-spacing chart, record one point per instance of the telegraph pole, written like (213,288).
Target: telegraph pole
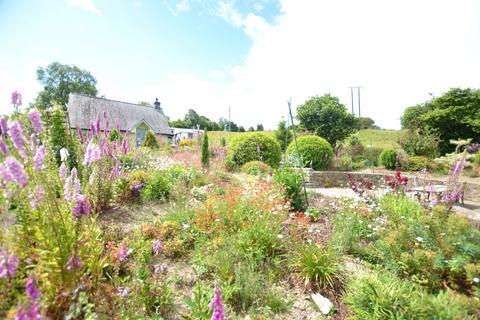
(229,121)
(358,99)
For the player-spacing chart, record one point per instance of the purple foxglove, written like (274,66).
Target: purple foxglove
(38,158)
(17,171)
(36,120)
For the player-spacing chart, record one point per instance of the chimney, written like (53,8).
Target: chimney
(157,107)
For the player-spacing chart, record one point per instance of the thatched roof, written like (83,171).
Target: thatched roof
(83,111)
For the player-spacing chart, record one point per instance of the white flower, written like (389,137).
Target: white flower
(279,236)
(476,280)
(185,226)
(419,239)
(309,241)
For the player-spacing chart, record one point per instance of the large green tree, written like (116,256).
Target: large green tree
(283,135)
(327,117)
(59,80)
(453,115)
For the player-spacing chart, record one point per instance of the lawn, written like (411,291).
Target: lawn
(381,139)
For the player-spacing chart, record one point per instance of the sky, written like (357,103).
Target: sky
(249,55)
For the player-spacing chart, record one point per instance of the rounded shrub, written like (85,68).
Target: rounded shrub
(388,158)
(314,152)
(256,168)
(253,146)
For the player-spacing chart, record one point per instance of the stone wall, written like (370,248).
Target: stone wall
(339,179)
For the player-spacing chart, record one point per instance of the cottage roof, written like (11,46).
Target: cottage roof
(83,111)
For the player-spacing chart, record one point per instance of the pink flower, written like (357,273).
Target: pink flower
(80,134)
(16,171)
(38,158)
(8,265)
(31,289)
(36,120)
(3,126)
(73,262)
(122,254)
(3,148)
(157,246)
(62,171)
(97,124)
(5,176)
(216,305)
(16,135)
(39,196)
(81,207)
(123,291)
(16,98)
(92,154)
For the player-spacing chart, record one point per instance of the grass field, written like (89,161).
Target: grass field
(377,138)
(380,138)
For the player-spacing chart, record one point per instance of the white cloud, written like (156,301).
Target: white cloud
(398,52)
(182,6)
(137,3)
(88,5)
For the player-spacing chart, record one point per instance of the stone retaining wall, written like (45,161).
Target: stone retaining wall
(331,179)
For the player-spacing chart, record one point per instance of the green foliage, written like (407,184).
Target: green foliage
(253,146)
(317,264)
(291,181)
(150,140)
(314,152)
(416,143)
(259,127)
(283,135)
(223,142)
(198,304)
(327,117)
(158,187)
(205,152)
(417,163)
(59,80)
(453,115)
(366,123)
(382,296)
(256,168)
(61,138)
(411,118)
(114,135)
(388,158)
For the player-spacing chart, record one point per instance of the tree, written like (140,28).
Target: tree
(366,123)
(205,152)
(454,115)
(283,135)
(259,127)
(411,117)
(150,140)
(327,117)
(60,137)
(178,124)
(59,80)
(251,129)
(241,129)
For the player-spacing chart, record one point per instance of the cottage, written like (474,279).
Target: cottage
(180,134)
(137,119)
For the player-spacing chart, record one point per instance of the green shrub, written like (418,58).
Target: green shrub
(205,152)
(253,146)
(318,265)
(388,158)
(256,168)
(150,140)
(114,135)
(292,182)
(420,144)
(417,163)
(223,142)
(158,187)
(380,296)
(314,152)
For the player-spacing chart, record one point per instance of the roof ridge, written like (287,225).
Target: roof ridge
(100,98)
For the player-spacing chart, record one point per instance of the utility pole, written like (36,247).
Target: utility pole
(358,99)
(358,91)
(351,95)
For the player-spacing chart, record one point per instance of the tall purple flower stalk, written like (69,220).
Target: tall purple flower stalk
(72,186)
(157,246)
(16,135)
(3,126)
(216,305)
(81,207)
(38,158)
(36,120)
(17,171)
(92,154)
(31,311)
(3,147)
(73,262)
(8,265)
(122,254)
(62,171)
